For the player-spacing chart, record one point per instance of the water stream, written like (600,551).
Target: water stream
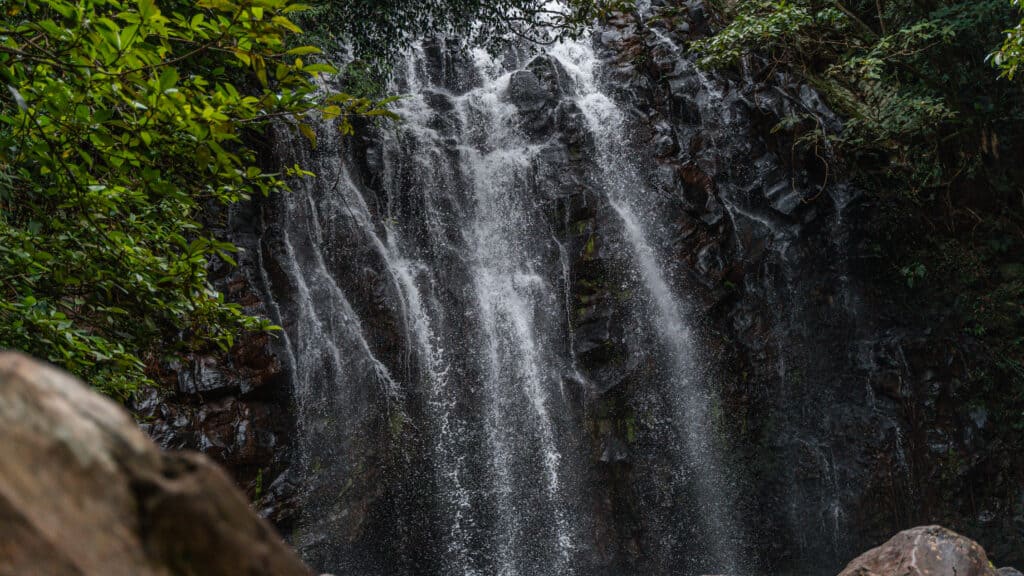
(446,426)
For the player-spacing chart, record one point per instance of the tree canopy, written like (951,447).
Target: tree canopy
(1010,55)
(376,29)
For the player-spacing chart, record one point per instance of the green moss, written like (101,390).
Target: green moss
(630,422)
(591,248)
(258,489)
(347,487)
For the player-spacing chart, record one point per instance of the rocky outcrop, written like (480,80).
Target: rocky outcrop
(84,492)
(925,551)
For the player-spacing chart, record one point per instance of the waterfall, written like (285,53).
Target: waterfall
(452,417)
(691,398)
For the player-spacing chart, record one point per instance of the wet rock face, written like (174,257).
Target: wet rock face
(846,408)
(84,492)
(925,551)
(763,232)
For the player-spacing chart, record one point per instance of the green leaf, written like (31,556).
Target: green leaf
(168,78)
(331,112)
(308,132)
(303,50)
(320,67)
(147,9)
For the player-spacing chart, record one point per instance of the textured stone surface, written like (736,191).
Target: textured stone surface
(84,492)
(923,551)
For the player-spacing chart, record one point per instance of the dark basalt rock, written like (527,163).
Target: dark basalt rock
(552,75)
(447,66)
(540,92)
(818,369)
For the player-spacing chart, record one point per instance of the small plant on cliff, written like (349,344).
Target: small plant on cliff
(913,274)
(122,121)
(1010,56)
(923,111)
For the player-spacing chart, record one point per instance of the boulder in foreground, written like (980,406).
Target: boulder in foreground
(83,492)
(925,551)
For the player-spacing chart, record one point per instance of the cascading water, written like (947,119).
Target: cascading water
(452,399)
(691,398)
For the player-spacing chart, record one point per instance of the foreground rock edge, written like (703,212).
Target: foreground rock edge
(926,551)
(84,492)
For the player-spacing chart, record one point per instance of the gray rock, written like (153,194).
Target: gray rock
(204,376)
(526,91)
(783,198)
(923,551)
(555,78)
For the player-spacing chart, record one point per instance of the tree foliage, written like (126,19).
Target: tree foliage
(909,76)
(1010,55)
(121,121)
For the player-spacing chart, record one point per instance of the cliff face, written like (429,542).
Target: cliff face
(849,401)
(496,232)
